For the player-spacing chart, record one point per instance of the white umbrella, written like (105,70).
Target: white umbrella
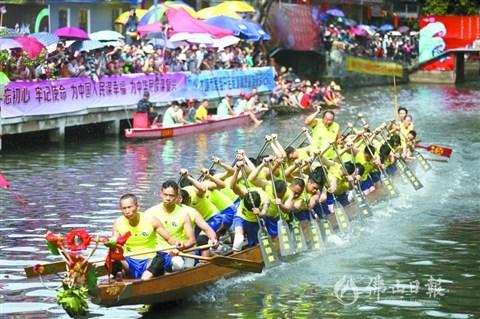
(395,33)
(106,35)
(204,38)
(226,41)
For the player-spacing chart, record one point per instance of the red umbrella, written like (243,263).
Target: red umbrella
(72,33)
(359,32)
(30,45)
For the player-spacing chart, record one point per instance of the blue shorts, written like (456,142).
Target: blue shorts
(392,169)
(302,215)
(271,224)
(167,260)
(136,267)
(321,210)
(227,215)
(366,184)
(375,177)
(343,199)
(214,222)
(249,228)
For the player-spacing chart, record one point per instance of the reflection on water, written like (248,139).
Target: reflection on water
(431,234)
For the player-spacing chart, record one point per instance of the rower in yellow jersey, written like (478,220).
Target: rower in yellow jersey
(176,221)
(324,131)
(143,229)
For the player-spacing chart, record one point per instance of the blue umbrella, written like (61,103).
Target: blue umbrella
(7,44)
(46,38)
(247,30)
(335,12)
(256,28)
(386,27)
(160,43)
(87,45)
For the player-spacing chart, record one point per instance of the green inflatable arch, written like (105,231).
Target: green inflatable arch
(42,14)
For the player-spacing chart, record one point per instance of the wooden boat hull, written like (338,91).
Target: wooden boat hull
(168,288)
(289,110)
(194,128)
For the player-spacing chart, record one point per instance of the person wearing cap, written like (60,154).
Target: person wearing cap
(224,109)
(145,106)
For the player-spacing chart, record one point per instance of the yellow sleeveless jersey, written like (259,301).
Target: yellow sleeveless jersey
(203,204)
(143,235)
(322,136)
(248,215)
(173,223)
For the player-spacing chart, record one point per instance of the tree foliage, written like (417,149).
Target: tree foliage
(450,7)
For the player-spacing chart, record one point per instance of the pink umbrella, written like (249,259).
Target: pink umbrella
(72,33)
(30,45)
(359,32)
(148,28)
(180,21)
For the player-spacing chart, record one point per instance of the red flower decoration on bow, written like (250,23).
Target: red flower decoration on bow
(77,239)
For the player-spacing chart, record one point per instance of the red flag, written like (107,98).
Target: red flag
(6,185)
(395,20)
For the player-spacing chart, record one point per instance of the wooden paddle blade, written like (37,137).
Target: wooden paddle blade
(45,269)
(409,174)
(423,162)
(341,217)
(299,237)
(237,263)
(287,246)
(269,255)
(327,230)
(317,241)
(387,182)
(362,203)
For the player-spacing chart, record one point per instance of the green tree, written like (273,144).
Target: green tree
(449,7)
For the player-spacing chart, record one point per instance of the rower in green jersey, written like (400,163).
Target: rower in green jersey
(366,157)
(254,205)
(324,131)
(176,221)
(143,231)
(201,201)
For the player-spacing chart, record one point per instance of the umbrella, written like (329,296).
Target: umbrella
(7,44)
(106,35)
(216,11)
(226,41)
(149,17)
(335,12)
(115,43)
(359,32)
(8,33)
(366,28)
(72,33)
(160,43)
(87,45)
(123,18)
(395,33)
(349,22)
(386,27)
(403,29)
(149,28)
(46,38)
(30,45)
(204,38)
(181,5)
(237,6)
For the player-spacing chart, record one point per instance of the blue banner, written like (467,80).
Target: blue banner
(217,83)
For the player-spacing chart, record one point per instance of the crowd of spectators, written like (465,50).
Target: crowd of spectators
(135,58)
(392,45)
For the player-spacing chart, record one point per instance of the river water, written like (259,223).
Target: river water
(418,257)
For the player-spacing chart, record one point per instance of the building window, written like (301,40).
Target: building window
(63,18)
(83,20)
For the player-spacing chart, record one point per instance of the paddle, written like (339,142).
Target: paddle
(359,195)
(269,256)
(229,262)
(437,149)
(295,138)
(339,213)
(386,180)
(404,168)
(287,246)
(60,266)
